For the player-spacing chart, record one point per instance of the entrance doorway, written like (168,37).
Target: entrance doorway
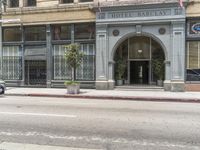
(35,72)
(143,58)
(139,72)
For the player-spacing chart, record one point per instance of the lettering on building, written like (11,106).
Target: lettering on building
(132,14)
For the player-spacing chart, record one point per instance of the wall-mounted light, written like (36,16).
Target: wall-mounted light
(139,51)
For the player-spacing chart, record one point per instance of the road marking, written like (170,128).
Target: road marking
(37,114)
(22,146)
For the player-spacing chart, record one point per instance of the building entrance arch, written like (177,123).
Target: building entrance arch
(139,60)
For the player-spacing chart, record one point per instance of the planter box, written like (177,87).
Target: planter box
(119,82)
(73,89)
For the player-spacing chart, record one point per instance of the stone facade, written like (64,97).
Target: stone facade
(128,17)
(145,20)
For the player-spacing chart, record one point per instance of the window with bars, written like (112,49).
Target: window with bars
(85,72)
(12,63)
(14,3)
(61,69)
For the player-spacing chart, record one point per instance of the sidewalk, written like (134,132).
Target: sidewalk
(118,94)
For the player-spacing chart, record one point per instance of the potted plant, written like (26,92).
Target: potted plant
(74,59)
(120,68)
(159,69)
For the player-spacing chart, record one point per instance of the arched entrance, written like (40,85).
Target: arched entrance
(139,60)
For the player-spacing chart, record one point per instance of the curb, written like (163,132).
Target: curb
(130,98)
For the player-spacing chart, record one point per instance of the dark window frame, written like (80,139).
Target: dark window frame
(15,35)
(37,34)
(14,3)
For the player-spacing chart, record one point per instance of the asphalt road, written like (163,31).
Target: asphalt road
(97,124)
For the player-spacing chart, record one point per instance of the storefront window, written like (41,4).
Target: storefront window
(84,31)
(85,72)
(61,69)
(193,61)
(35,33)
(12,34)
(12,63)
(61,32)
(87,69)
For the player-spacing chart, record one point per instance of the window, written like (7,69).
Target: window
(12,34)
(14,3)
(61,32)
(85,72)
(193,61)
(82,1)
(35,33)
(12,63)
(61,70)
(31,3)
(84,31)
(67,1)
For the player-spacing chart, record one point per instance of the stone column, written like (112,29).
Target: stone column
(167,82)
(101,57)
(178,57)
(111,82)
(49,56)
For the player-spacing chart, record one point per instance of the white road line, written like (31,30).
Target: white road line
(23,146)
(38,114)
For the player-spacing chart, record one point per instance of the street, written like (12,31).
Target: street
(87,124)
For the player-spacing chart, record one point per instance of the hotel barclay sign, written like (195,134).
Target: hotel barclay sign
(140,13)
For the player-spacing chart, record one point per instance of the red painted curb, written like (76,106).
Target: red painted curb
(134,98)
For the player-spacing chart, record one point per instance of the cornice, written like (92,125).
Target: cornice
(35,10)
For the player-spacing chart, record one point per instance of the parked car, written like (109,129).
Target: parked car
(2,87)
(193,74)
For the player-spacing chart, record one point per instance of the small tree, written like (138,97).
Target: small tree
(74,58)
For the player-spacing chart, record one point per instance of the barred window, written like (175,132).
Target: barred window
(12,63)
(85,72)
(87,69)
(61,69)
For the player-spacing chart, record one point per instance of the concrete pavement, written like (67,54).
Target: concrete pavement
(121,94)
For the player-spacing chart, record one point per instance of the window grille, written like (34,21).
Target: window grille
(85,72)
(87,69)
(12,63)
(61,69)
